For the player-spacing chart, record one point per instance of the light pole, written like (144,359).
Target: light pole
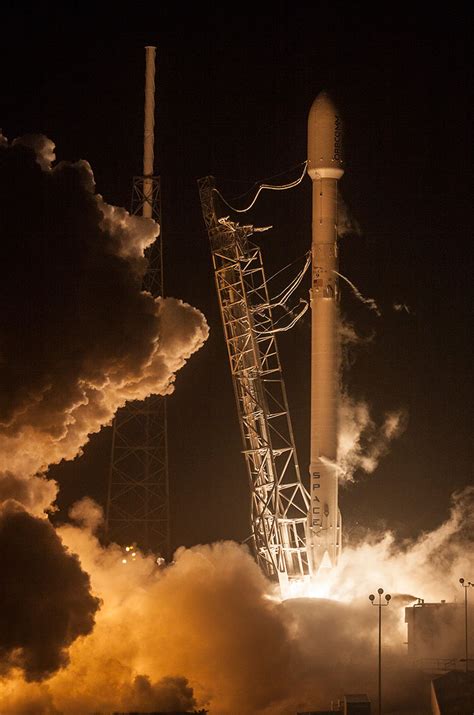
(465,587)
(380,605)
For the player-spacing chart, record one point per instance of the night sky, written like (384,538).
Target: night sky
(233,93)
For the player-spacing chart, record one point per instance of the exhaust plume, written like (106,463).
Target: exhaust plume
(214,618)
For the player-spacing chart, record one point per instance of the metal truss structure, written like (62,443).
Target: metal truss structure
(279,500)
(138,494)
(146,201)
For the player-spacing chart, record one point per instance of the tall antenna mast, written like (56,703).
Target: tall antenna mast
(149,131)
(138,495)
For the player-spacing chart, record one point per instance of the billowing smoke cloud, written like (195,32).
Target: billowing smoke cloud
(45,600)
(35,493)
(78,338)
(42,147)
(86,512)
(78,335)
(212,616)
(362,443)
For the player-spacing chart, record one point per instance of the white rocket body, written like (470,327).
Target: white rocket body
(325,169)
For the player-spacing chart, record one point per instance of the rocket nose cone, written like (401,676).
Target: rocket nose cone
(324,138)
(323,98)
(322,109)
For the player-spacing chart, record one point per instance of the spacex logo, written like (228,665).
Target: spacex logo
(315,502)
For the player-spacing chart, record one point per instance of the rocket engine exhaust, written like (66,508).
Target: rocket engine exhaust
(325,167)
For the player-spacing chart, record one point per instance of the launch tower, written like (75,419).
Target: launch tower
(280,502)
(138,493)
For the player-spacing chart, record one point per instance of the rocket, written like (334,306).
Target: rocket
(325,167)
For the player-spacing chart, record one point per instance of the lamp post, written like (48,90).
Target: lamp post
(465,587)
(380,605)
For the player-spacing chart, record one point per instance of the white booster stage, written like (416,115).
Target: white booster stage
(325,167)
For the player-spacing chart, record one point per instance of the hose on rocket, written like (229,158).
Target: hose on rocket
(290,325)
(268,187)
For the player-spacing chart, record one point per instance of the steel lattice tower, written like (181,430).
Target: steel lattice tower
(138,493)
(279,509)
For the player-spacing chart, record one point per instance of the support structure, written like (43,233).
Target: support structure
(138,494)
(279,501)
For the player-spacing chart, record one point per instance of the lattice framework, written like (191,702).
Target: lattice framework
(279,500)
(138,494)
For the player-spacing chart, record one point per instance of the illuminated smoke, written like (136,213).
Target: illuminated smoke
(36,493)
(45,600)
(347,333)
(87,513)
(79,337)
(347,224)
(42,147)
(362,443)
(212,617)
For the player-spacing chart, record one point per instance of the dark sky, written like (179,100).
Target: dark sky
(233,92)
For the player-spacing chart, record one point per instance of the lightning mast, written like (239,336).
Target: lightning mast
(138,494)
(279,501)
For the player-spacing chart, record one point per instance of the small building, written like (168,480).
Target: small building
(356,705)
(453,694)
(435,635)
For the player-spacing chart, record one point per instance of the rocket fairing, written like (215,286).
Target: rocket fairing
(325,167)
